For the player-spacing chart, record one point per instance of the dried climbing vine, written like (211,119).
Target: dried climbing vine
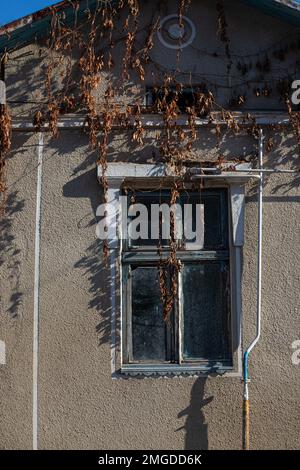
(5,144)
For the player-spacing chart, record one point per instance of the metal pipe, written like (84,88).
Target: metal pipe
(266,170)
(253,171)
(224,175)
(246,407)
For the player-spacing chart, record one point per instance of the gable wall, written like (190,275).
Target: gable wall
(80,404)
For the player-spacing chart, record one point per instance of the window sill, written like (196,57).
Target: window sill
(177,369)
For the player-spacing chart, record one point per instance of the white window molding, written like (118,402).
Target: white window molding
(120,174)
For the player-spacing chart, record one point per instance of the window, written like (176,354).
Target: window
(198,333)
(186,98)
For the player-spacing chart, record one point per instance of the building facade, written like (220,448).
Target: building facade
(87,360)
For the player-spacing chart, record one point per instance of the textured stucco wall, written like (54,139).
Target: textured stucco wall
(16,305)
(80,405)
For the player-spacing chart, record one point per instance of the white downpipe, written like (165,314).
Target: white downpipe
(36,311)
(259,258)
(268,170)
(246,403)
(259,251)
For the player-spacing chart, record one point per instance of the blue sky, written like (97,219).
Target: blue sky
(11,10)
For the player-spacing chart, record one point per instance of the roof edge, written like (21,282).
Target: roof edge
(29,19)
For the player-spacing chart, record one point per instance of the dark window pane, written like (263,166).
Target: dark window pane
(186,97)
(206,311)
(149,200)
(215,216)
(216,222)
(149,331)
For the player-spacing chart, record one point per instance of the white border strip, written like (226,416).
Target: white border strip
(36,294)
(156,121)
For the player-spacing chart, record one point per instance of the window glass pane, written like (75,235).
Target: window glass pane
(187,97)
(151,220)
(206,311)
(149,331)
(215,216)
(216,222)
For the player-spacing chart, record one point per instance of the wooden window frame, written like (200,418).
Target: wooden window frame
(152,176)
(140,257)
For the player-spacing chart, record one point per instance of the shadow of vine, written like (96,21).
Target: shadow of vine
(92,265)
(9,253)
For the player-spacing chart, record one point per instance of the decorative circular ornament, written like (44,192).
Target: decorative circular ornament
(174,35)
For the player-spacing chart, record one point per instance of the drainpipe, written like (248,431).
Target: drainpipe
(246,403)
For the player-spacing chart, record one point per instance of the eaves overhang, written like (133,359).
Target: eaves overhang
(284,10)
(35,26)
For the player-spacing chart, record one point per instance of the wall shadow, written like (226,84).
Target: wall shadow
(86,186)
(98,274)
(196,429)
(92,265)
(9,253)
